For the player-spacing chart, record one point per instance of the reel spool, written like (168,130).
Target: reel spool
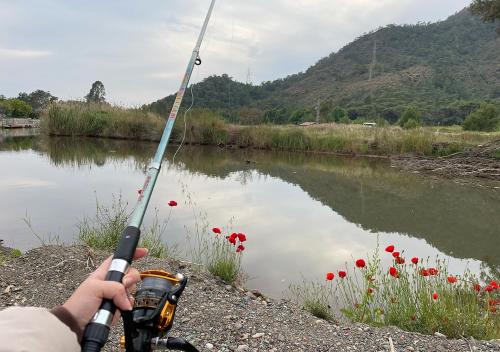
(153,314)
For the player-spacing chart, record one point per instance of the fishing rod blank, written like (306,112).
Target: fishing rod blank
(97,331)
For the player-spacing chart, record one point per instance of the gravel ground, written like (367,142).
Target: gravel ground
(213,315)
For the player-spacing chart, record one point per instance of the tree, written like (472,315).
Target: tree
(486,118)
(411,118)
(97,93)
(15,108)
(38,100)
(489,10)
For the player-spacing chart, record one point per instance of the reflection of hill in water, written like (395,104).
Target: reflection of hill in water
(459,220)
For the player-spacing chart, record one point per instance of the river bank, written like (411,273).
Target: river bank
(211,314)
(429,150)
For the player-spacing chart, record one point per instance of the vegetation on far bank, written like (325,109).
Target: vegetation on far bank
(207,127)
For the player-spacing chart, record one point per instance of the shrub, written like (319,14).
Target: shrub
(411,113)
(411,123)
(486,118)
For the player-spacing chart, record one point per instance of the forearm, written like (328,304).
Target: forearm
(36,329)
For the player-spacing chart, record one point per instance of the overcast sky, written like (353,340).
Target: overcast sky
(139,49)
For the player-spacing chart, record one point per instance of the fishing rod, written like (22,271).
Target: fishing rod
(97,331)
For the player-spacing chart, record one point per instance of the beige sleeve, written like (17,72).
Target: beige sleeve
(34,329)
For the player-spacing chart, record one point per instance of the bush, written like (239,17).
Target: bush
(486,118)
(411,113)
(410,124)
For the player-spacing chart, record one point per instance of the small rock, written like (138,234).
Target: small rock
(257,335)
(228,287)
(242,348)
(438,334)
(251,295)
(209,346)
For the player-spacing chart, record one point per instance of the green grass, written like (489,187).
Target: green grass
(313,297)
(104,230)
(405,299)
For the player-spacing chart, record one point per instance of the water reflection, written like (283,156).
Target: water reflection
(306,212)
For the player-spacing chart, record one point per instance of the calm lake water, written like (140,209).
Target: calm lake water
(304,214)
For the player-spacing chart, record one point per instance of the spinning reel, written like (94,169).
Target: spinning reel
(147,325)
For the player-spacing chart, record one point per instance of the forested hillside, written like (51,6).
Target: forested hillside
(443,69)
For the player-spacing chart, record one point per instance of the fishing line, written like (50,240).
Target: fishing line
(206,45)
(191,89)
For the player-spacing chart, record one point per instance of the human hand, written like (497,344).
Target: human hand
(87,298)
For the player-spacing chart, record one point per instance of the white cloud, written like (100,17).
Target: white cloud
(23,53)
(140,52)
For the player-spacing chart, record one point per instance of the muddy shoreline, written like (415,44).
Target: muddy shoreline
(482,163)
(212,315)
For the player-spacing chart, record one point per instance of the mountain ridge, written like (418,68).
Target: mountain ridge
(442,68)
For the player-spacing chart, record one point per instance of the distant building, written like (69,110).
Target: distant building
(308,123)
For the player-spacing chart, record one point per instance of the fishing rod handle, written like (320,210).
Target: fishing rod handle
(97,331)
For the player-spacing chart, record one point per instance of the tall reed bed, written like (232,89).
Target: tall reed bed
(207,127)
(100,120)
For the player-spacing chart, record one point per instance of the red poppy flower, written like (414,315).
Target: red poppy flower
(330,276)
(477,287)
(435,296)
(493,302)
(433,271)
(452,279)
(390,249)
(488,288)
(242,237)
(232,238)
(342,274)
(240,248)
(140,191)
(395,254)
(493,309)
(369,291)
(414,260)
(216,230)
(424,272)
(413,317)
(400,260)
(360,263)
(172,203)
(495,285)
(393,271)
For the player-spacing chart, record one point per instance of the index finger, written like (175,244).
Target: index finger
(102,270)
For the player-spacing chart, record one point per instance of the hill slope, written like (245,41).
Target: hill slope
(434,66)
